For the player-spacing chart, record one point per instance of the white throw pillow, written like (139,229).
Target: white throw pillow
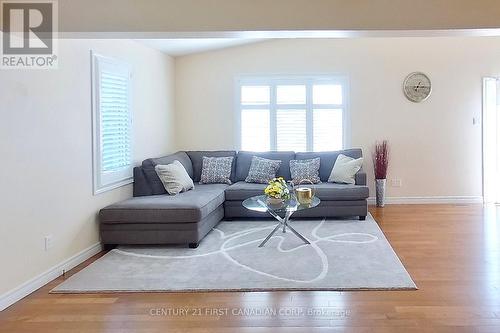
(174,177)
(344,169)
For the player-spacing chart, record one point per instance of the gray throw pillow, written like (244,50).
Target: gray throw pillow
(216,170)
(174,177)
(305,170)
(262,170)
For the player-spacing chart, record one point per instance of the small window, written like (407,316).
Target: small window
(112,123)
(299,113)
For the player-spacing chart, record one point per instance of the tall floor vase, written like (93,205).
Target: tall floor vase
(380,192)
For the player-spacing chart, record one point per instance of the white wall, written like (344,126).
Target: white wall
(46,155)
(435,148)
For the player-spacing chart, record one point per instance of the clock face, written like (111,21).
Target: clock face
(417,87)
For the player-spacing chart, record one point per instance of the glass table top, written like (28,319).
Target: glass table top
(259,203)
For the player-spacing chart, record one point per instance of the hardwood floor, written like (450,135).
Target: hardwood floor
(451,251)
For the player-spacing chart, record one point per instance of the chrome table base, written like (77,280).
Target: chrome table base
(283,222)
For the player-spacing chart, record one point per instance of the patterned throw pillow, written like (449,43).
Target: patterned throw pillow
(305,169)
(216,170)
(262,170)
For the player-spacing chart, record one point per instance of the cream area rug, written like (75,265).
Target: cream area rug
(343,255)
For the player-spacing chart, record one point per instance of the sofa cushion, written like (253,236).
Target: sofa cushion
(190,207)
(148,167)
(243,190)
(179,156)
(327,159)
(336,192)
(325,191)
(197,161)
(244,160)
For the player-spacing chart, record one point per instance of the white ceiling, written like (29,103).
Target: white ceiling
(181,46)
(188,43)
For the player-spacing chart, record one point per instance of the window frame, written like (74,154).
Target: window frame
(106,182)
(309,80)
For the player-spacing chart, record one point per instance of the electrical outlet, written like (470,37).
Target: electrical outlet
(396,182)
(48,242)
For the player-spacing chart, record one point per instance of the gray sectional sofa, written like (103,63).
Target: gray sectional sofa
(154,217)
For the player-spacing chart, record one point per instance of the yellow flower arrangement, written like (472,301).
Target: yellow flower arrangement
(277,188)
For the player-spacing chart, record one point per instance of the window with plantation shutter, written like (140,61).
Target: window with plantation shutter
(112,123)
(306,113)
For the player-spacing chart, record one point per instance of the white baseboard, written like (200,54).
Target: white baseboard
(430,200)
(39,281)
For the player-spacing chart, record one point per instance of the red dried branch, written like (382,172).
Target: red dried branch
(381,159)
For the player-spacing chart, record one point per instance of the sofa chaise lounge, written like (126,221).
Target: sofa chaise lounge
(154,217)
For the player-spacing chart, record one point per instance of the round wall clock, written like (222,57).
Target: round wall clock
(417,87)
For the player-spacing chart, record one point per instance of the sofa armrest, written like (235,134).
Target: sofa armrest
(360,177)
(141,186)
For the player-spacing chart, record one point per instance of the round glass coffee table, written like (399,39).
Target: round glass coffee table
(280,212)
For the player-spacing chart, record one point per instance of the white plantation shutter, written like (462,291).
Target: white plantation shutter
(112,124)
(255,130)
(299,113)
(115,121)
(327,130)
(291,130)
